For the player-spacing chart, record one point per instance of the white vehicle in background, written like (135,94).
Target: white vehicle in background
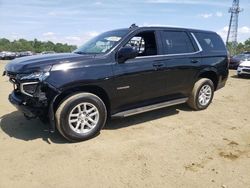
(6,55)
(2,55)
(48,52)
(244,67)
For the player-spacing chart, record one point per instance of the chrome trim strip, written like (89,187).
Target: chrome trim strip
(27,83)
(124,87)
(149,108)
(169,55)
(197,42)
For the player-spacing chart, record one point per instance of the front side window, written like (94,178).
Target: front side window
(144,43)
(102,43)
(137,43)
(177,42)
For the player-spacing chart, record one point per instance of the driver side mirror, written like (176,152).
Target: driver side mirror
(126,53)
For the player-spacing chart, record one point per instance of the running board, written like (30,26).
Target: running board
(149,108)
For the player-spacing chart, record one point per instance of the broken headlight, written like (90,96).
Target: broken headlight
(35,76)
(40,75)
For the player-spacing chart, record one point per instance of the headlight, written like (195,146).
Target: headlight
(35,76)
(39,74)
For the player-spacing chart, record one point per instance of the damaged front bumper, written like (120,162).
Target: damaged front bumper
(34,99)
(35,109)
(31,112)
(19,102)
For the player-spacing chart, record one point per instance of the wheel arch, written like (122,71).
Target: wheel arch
(96,90)
(210,74)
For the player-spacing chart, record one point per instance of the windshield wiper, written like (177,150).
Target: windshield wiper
(79,52)
(92,53)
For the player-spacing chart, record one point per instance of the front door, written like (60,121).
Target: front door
(141,80)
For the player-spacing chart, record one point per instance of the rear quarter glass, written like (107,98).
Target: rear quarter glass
(211,43)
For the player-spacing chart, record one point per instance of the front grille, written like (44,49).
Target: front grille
(29,88)
(246,70)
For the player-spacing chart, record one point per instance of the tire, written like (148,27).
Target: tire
(194,101)
(72,109)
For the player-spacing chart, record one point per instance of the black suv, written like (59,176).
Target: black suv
(118,74)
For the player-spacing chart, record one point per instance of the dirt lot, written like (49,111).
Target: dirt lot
(172,147)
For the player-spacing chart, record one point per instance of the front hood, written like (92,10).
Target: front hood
(245,64)
(40,62)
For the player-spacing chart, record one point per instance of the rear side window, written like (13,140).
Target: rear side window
(210,42)
(176,42)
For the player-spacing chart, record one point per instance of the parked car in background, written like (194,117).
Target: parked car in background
(48,52)
(235,60)
(6,55)
(2,55)
(244,68)
(26,53)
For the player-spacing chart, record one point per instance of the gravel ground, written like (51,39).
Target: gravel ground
(171,147)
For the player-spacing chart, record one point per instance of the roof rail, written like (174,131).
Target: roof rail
(133,26)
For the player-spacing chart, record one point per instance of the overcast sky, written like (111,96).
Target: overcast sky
(75,21)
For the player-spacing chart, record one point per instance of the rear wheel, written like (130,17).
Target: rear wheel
(202,94)
(81,116)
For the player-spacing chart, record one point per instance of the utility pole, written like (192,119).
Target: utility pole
(233,25)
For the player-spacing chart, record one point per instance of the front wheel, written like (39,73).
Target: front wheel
(81,116)
(202,94)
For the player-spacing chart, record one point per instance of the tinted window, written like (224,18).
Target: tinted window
(210,42)
(177,42)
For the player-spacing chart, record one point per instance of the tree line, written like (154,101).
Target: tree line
(39,46)
(240,47)
(34,46)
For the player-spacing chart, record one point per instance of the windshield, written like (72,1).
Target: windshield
(102,43)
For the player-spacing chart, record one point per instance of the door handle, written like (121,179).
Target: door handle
(195,61)
(158,64)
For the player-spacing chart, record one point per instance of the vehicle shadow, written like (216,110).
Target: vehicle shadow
(240,78)
(17,126)
(144,117)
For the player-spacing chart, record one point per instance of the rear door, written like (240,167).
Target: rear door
(182,58)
